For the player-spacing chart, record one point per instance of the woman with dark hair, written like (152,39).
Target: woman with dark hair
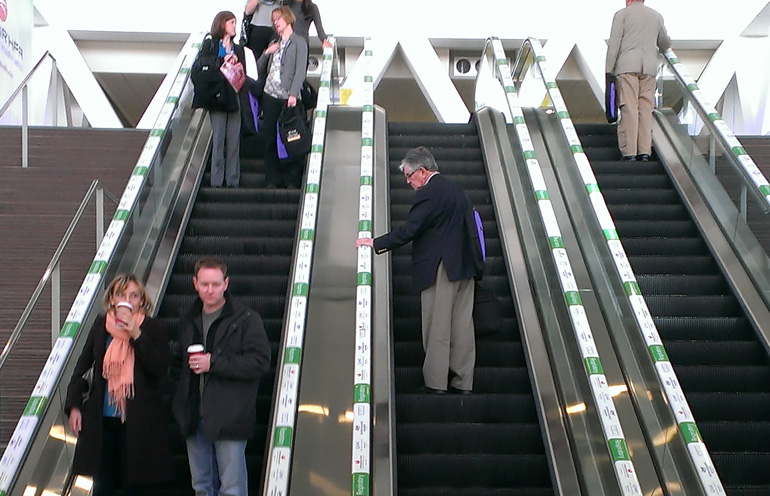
(221,100)
(307,13)
(122,423)
(284,66)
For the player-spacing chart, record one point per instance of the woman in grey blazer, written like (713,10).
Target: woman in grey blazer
(283,65)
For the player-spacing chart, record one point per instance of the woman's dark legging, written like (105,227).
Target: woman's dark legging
(278,173)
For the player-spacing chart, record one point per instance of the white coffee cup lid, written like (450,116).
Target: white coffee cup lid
(195,348)
(124,304)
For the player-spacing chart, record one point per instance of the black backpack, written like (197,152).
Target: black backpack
(210,88)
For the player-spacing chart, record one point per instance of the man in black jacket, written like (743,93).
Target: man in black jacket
(216,394)
(442,272)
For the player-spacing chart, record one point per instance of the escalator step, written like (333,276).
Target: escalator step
(471,471)
(673,265)
(738,407)
(723,378)
(232,245)
(656,228)
(680,284)
(467,439)
(640,196)
(693,306)
(253,227)
(648,212)
(246,211)
(473,408)
(716,353)
(664,246)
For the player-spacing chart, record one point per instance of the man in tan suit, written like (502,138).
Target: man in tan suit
(637,35)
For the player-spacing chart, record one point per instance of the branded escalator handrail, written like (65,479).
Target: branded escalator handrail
(25,431)
(738,157)
(285,409)
(362,387)
(613,431)
(665,372)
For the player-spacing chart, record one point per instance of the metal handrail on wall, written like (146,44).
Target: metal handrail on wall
(720,133)
(52,272)
(23,88)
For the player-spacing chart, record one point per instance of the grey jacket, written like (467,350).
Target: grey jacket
(637,35)
(293,64)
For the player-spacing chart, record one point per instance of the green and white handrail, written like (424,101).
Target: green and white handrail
(676,400)
(362,387)
(20,441)
(285,413)
(605,406)
(745,165)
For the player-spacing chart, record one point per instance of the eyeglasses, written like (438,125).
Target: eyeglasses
(408,176)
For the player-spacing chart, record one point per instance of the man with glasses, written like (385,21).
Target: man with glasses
(442,272)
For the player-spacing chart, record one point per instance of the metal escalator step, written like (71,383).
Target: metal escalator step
(723,378)
(630,180)
(743,469)
(672,246)
(705,328)
(245,195)
(715,352)
(246,211)
(734,406)
(455,472)
(253,227)
(736,436)
(467,439)
(648,212)
(673,265)
(676,284)
(233,245)
(641,196)
(475,408)
(693,306)
(655,228)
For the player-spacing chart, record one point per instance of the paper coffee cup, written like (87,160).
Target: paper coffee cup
(195,349)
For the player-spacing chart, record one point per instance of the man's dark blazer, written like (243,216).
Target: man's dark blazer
(436,226)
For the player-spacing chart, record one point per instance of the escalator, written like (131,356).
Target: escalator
(723,367)
(252,229)
(489,442)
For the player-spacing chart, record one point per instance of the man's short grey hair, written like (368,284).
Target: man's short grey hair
(416,158)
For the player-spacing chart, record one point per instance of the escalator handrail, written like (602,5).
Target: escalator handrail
(628,483)
(663,368)
(282,427)
(27,427)
(738,158)
(361,454)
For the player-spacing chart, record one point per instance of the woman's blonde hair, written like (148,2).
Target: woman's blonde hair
(286,13)
(120,283)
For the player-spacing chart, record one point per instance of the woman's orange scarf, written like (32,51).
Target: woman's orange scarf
(118,367)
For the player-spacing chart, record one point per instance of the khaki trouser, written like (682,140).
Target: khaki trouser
(636,95)
(447,332)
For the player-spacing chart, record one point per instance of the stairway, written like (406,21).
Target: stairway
(722,367)
(488,442)
(252,229)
